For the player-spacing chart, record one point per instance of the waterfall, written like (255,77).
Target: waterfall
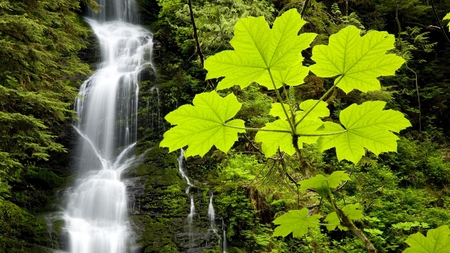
(156,121)
(224,238)
(211,213)
(96,212)
(182,172)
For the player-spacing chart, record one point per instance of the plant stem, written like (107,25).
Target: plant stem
(346,222)
(280,99)
(194,27)
(285,131)
(320,100)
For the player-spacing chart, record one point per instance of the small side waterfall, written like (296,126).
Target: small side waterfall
(224,238)
(190,217)
(212,213)
(96,212)
(182,172)
(156,121)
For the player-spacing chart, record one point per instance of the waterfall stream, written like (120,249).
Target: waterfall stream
(212,213)
(96,212)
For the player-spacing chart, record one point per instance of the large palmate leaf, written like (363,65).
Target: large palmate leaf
(204,124)
(437,241)
(366,126)
(296,222)
(277,136)
(323,184)
(259,49)
(356,61)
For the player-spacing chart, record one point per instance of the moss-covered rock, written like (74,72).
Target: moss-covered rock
(159,205)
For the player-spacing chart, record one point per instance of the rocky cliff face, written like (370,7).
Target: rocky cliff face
(159,206)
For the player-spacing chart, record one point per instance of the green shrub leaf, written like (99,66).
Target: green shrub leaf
(259,49)
(296,222)
(366,126)
(279,136)
(447,17)
(437,241)
(323,184)
(204,124)
(356,61)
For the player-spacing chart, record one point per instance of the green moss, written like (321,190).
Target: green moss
(157,236)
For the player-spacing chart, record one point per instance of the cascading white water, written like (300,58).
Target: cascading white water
(190,217)
(212,214)
(156,121)
(96,213)
(182,172)
(224,238)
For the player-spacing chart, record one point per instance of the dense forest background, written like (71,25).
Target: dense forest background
(47,50)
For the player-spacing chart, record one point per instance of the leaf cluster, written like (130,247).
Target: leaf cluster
(272,58)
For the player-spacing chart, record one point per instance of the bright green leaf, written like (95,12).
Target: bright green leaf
(258,49)
(277,110)
(437,241)
(446,18)
(280,138)
(356,61)
(333,221)
(323,184)
(373,231)
(306,128)
(320,110)
(292,76)
(296,222)
(353,211)
(204,124)
(366,126)
(308,124)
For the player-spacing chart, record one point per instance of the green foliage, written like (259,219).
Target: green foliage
(19,229)
(239,171)
(277,135)
(323,184)
(407,226)
(210,115)
(356,61)
(366,126)
(262,54)
(437,241)
(296,222)
(353,211)
(272,59)
(39,69)
(180,71)
(262,60)
(40,42)
(255,106)
(214,20)
(446,18)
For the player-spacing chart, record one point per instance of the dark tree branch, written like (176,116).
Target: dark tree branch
(346,222)
(439,22)
(302,13)
(194,27)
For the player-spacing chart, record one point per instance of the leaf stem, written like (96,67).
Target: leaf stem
(285,131)
(320,100)
(291,124)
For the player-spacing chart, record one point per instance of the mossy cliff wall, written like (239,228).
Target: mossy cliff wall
(159,205)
